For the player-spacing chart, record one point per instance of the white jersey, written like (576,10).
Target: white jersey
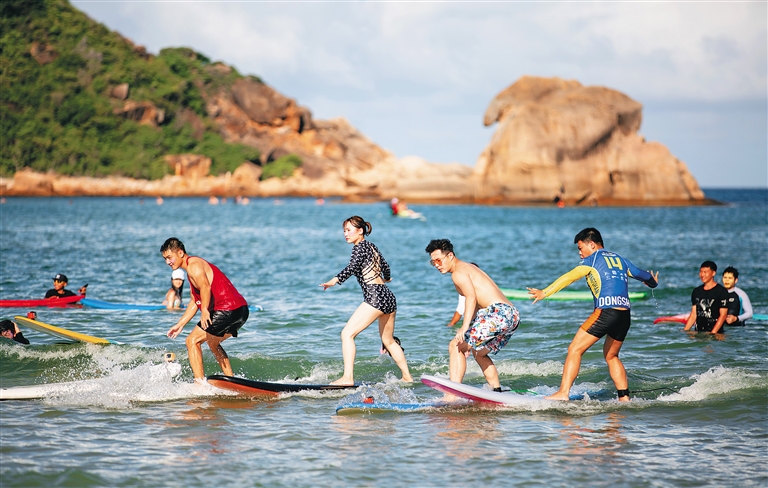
(461,305)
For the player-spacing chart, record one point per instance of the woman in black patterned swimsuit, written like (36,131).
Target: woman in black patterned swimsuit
(372,272)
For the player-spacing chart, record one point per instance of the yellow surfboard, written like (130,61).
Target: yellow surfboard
(58,331)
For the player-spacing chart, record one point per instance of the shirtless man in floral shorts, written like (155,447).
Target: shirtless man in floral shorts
(489,318)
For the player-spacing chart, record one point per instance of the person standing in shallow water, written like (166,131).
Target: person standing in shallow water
(607,275)
(490,318)
(739,305)
(709,302)
(372,272)
(223,311)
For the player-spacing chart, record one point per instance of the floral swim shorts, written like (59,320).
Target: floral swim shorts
(492,327)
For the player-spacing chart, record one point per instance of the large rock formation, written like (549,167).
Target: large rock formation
(556,135)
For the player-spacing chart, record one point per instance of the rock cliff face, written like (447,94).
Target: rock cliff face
(556,135)
(337,159)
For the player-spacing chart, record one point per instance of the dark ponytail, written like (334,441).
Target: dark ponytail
(359,223)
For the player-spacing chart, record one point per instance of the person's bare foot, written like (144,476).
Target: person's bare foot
(408,379)
(343,382)
(561,397)
(202,387)
(448,398)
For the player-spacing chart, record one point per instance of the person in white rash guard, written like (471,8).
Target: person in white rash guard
(739,306)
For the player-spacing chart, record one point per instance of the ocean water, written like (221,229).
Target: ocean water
(700,417)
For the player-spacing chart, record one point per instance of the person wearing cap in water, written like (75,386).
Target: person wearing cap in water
(10,330)
(173,299)
(59,289)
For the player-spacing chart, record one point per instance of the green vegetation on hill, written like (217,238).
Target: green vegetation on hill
(57,112)
(282,167)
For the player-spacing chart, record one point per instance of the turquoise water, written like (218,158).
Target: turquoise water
(703,425)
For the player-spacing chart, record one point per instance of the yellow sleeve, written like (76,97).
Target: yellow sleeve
(578,272)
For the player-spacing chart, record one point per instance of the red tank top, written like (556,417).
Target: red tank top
(224,296)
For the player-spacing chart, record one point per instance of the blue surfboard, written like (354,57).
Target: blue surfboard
(101,304)
(104,305)
(354,408)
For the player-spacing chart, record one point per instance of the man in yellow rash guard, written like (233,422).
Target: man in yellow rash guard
(607,275)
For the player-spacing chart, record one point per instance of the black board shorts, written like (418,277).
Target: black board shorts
(609,321)
(225,322)
(380,297)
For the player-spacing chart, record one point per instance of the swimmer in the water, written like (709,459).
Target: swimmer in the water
(173,300)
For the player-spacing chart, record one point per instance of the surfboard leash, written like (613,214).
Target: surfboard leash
(655,389)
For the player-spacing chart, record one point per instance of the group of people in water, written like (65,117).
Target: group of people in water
(173,297)
(713,306)
(489,318)
(489,321)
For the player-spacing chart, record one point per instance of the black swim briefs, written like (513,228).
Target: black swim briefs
(225,322)
(609,321)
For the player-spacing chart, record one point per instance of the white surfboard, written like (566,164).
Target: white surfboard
(34,392)
(121,383)
(479,394)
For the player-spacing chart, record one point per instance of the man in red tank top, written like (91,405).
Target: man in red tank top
(222,309)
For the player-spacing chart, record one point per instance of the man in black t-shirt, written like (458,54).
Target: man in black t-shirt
(59,291)
(709,302)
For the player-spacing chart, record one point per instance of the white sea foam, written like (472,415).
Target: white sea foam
(21,352)
(529,368)
(716,381)
(103,355)
(121,387)
(392,390)
(321,374)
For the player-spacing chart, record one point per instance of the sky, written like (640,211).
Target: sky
(417,77)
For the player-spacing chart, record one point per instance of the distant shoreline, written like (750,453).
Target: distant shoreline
(53,186)
(608,203)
